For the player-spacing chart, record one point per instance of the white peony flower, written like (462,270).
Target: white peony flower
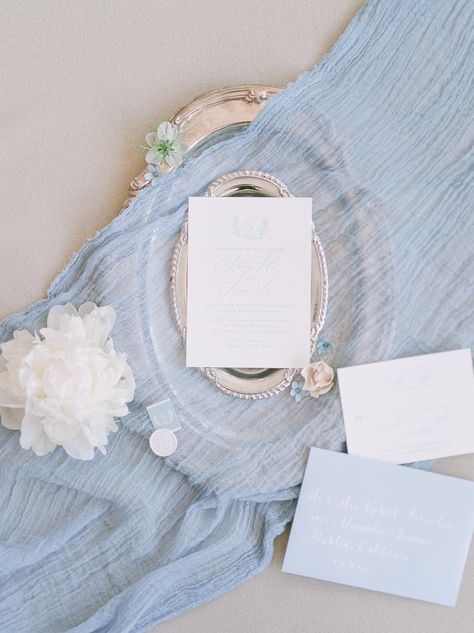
(65,385)
(318,378)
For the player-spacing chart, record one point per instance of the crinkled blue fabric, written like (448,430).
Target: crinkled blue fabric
(380,135)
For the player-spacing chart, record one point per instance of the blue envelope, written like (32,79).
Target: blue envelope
(380,526)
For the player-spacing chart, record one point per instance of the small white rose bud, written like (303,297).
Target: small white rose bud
(318,378)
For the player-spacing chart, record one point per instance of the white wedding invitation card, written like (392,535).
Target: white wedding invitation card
(249,282)
(410,409)
(383,527)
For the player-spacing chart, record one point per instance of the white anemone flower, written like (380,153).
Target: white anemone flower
(65,385)
(165,149)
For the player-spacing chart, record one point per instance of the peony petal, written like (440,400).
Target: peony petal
(18,346)
(118,410)
(97,430)
(99,323)
(86,308)
(61,431)
(166,131)
(7,399)
(23,339)
(53,320)
(11,418)
(80,448)
(33,436)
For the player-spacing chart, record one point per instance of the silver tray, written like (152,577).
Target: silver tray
(212,117)
(248,383)
(206,120)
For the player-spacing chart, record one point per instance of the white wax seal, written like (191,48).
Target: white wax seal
(163,442)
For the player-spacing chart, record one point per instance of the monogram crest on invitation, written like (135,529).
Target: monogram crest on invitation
(248,229)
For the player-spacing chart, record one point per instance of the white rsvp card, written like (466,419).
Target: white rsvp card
(383,527)
(249,282)
(410,409)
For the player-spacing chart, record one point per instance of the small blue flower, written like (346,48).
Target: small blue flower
(297,390)
(324,348)
(153,174)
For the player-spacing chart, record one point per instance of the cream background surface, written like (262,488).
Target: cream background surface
(81,82)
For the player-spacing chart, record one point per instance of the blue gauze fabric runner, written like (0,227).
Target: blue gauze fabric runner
(380,135)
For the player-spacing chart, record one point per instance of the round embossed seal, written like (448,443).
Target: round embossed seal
(163,442)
